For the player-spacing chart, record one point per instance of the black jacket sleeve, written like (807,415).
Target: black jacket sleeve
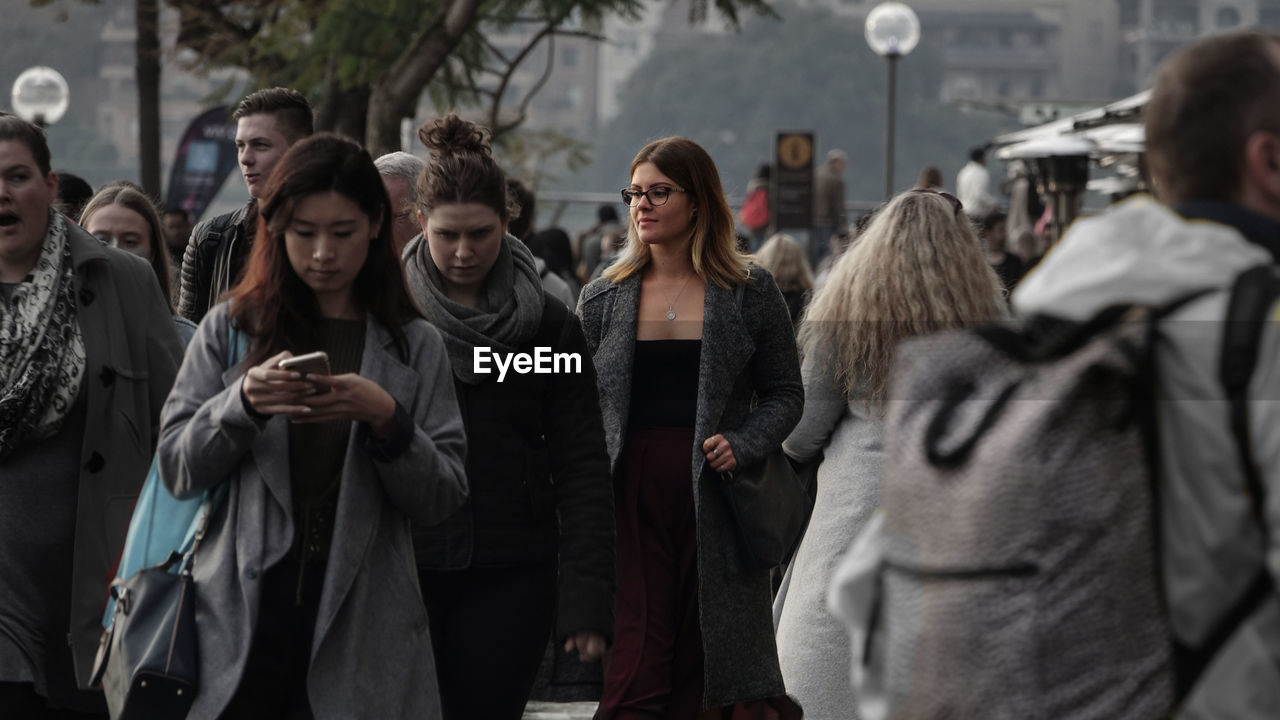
(583,493)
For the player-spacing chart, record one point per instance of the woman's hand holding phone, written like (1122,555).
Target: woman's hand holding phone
(351,397)
(270,390)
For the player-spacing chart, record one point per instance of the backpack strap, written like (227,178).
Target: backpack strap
(1253,296)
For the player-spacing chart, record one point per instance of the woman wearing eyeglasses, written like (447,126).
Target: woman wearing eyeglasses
(698,376)
(917,268)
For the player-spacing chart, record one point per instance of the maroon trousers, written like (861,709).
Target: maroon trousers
(655,667)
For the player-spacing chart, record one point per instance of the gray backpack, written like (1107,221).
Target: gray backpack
(1018,572)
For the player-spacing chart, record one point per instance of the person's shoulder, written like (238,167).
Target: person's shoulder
(218,226)
(759,279)
(421,336)
(597,288)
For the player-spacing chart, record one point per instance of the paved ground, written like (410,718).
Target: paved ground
(559,711)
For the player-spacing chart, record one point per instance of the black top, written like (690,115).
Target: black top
(317,452)
(664,383)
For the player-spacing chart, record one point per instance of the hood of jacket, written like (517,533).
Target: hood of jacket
(1137,251)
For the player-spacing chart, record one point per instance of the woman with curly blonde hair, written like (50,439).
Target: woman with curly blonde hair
(784,257)
(918,268)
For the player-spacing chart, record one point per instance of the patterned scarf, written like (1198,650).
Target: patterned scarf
(509,312)
(42,359)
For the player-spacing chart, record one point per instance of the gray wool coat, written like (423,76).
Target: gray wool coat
(748,354)
(371,655)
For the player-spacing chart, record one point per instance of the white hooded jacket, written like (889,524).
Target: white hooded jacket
(1141,252)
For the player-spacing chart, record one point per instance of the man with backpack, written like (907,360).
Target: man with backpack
(1081,512)
(268,123)
(1213,147)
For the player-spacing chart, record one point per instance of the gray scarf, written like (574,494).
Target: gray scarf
(508,313)
(42,358)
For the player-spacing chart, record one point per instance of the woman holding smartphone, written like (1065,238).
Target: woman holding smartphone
(307,599)
(533,546)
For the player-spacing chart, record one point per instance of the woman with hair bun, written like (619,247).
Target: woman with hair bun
(306,597)
(533,546)
(916,269)
(698,377)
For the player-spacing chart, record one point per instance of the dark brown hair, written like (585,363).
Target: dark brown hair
(29,134)
(462,168)
(1208,99)
(271,300)
(129,196)
(290,108)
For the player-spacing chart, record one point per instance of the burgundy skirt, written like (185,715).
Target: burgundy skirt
(654,669)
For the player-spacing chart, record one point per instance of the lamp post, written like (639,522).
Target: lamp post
(893,30)
(40,95)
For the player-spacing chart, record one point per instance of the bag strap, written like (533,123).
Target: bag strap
(237,346)
(1253,295)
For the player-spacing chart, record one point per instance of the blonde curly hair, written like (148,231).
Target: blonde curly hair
(916,269)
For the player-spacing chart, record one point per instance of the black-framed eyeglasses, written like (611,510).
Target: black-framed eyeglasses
(955,201)
(657,195)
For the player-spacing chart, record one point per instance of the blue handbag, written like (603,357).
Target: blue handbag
(148,657)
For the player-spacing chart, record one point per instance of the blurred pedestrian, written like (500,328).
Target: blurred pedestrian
(973,185)
(699,377)
(73,192)
(930,179)
(994,236)
(828,204)
(531,552)
(755,212)
(306,598)
(590,243)
(523,211)
(267,123)
(916,269)
(88,352)
(400,172)
(176,223)
(784,257)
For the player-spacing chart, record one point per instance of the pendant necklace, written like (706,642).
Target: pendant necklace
(671,306)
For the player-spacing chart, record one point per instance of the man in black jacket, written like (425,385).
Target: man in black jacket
(267,123)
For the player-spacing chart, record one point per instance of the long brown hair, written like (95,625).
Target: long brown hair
(715,244)
(271,299)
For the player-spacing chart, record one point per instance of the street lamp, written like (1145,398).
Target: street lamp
(893,30)
(40,95)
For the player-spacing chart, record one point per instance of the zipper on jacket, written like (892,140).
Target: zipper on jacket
(1015,570)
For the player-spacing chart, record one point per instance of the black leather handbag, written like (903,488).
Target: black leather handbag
(770,509)
(148,660)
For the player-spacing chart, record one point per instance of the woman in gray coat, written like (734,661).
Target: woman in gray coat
(307,600)
(917,268)
(698,376)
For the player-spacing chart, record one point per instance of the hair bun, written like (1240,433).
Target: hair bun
(452,135)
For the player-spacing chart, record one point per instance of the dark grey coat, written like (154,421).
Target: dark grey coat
(747,353)
(372,655)
(132,352)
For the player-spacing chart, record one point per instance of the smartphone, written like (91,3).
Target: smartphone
(316,363)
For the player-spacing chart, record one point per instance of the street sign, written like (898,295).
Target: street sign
(792,194)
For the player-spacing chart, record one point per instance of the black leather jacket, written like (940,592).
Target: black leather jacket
(212,262)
